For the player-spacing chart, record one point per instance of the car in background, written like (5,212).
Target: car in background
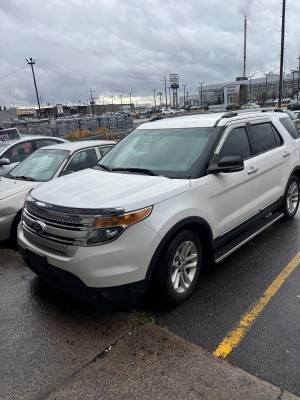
(41,166)
(294,117)
(169,111)
(294,105)
(15,148)
(147,112)
(232,107)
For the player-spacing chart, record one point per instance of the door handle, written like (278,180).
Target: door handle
(286,154)
(252,170)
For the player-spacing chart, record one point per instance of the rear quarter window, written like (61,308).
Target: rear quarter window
(290,127)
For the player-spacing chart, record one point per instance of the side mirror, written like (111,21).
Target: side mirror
(227,164)
(4,161)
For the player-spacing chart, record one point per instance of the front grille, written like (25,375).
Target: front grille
(52,216)
(61,232)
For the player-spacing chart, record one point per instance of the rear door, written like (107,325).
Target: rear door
(275,156)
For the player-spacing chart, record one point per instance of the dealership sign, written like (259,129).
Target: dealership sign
(174,81)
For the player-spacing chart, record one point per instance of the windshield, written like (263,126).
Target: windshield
(41,165)
(167,152)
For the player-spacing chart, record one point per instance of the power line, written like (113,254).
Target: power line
(4,76)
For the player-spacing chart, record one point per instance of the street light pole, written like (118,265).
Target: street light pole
(201,83)
(112,102)
(154,97)
(165,79)
(184,85)
(293,71)
(31,62)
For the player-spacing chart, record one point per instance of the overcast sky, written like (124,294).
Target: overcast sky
(123,46)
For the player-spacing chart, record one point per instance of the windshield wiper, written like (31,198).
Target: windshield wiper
(102,166)
(23,177)
(141,170)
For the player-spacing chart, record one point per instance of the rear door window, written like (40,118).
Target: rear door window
(265,137)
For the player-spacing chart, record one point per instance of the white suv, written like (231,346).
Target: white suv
(171,195)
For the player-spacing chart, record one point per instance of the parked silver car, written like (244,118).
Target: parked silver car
(14,148)
(43,165)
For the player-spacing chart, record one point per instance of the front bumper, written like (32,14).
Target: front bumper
(119,296)
(5,226)
(100,275)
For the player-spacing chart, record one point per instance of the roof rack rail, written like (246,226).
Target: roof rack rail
(229,115)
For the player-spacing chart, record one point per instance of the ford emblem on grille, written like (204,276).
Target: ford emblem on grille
(38,226)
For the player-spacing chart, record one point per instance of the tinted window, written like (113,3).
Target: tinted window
(290,127)
(236,144)
(19,152)
(81,160)
(263,136)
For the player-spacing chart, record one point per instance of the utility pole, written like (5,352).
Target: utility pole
(121,95)
(184,85)
(245,44)
(154,90)
(160,94)
(293,71)
(31,62)
(281,53)
(92,103)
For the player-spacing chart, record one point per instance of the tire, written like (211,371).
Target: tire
(179,269)
(290,201)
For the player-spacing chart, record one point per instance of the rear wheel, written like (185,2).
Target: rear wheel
(180,268)
(290,202)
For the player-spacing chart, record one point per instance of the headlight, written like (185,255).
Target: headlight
(107,229)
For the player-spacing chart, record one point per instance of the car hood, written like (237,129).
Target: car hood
(98,189)
(10,187)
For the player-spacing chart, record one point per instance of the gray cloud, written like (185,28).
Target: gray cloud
(115,46)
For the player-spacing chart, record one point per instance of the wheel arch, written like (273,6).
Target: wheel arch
(14,226)
(296,172)
(196,224)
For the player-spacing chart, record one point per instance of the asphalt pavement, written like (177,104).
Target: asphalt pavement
(55,347)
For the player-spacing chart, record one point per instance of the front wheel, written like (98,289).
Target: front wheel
(180,267)
(290,201)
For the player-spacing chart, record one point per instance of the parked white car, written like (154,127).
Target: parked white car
(14,148)
(171,196)
(43,165)
(168,111)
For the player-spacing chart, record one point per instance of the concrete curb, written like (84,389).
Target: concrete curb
(152,363)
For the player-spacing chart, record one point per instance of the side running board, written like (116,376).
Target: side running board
(235,244)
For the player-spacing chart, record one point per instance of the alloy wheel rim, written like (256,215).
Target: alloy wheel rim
(184,266)
(292,197)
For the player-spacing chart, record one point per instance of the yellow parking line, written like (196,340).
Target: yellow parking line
(233,338)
